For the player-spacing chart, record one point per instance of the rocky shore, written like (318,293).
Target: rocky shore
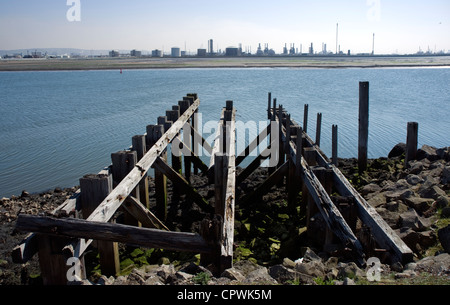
(271,246)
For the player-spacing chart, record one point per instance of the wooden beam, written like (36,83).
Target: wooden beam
(253,145)
(265,187)
(142,214)
(382,232)
(78,228)
(162,166)
(253,166)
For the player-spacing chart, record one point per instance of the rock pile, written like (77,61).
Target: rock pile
(310,270)
(412,198)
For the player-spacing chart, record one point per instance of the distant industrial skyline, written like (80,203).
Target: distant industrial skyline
(401,27)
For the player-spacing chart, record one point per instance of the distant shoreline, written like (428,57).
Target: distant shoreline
(314,62)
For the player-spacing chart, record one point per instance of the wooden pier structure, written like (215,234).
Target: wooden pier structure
(86,219)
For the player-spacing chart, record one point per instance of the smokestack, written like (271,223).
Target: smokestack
(373,45)
(337,37)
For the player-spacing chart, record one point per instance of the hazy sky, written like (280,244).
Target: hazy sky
(399,25)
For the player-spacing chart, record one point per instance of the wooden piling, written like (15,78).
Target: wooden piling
(411,142)
(268,106)
(363,135)
(122,163)
(318,128)
(160,180)
(334,152)
(139,146)
(173,115)
(94,189)
(305,118)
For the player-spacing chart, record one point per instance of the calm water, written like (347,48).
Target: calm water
(58,126)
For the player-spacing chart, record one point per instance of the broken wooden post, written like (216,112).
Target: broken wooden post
(318,128)
(94,189)
(363,134)
(411,142)
(334,153)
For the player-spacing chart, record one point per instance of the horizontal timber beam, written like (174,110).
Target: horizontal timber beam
(79,228)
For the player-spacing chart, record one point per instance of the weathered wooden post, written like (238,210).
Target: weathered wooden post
(293,177)
(173,115)
(281,156)
(139,146)
(160,179)
(184,105)
(318,128)
(219,183)
(363,135)
(411,141)
(305,118)
(122,163)
(269,116)
(334,152)
(272,169)
(94,189)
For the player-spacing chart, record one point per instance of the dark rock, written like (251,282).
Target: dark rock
(445,176)
(410,219)
(25,194)
(433,192)
(445,212)
(444,238)
(397,150)
(370,188)
(414,179)
(419,204)
(282,274)
(444,153)
(428,152)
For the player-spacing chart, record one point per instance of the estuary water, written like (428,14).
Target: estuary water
(58,126)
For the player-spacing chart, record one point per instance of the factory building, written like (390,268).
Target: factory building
(176,52)
(232,51)
(157,53)
(201,52)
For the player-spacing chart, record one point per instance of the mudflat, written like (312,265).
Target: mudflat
(224,62)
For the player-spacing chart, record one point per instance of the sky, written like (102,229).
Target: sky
(400,26)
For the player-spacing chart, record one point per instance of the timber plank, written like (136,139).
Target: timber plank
(79,228)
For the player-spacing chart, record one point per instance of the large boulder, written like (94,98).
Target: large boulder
(397,150)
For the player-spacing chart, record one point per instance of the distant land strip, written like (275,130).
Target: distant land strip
(224,62)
